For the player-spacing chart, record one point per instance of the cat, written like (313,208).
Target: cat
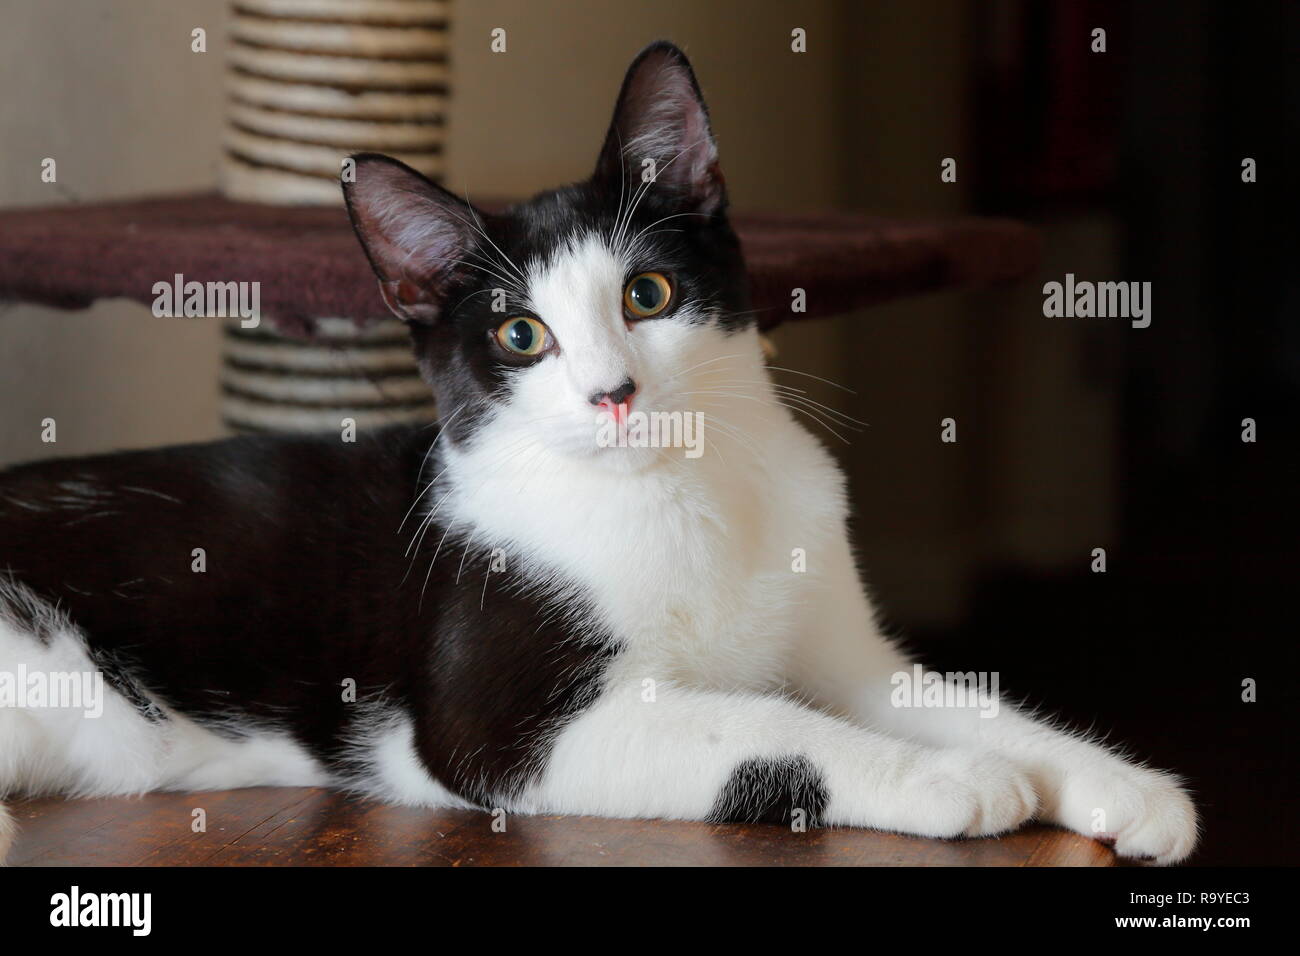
(509,612)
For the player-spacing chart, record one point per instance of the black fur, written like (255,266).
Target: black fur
(770,791)
(306,585)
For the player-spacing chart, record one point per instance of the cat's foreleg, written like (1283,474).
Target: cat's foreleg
(845,663)
(684,753)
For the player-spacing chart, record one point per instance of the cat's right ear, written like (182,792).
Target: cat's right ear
(414,233)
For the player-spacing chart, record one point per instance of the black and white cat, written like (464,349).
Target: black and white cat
(517,613)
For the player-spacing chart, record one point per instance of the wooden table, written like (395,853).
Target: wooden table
(307,827)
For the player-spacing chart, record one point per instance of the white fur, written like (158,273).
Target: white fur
(670,756)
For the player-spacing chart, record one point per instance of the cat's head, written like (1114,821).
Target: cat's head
(599,297)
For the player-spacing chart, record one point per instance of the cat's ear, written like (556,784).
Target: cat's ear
(661,131)
(414,233)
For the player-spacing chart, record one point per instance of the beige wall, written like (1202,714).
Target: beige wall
(112,92)
(536,115)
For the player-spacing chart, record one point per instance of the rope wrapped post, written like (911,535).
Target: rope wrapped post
(309,82)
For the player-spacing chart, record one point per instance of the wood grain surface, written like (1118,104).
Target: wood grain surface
(308,827)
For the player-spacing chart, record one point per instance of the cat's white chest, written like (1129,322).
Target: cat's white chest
(701,574)
(709,603)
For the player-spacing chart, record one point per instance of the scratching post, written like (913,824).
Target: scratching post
(309,82)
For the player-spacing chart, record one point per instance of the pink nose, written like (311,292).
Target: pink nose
(616,402)
(617,410)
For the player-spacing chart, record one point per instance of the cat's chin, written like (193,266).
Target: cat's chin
(625,461)
(614,461)
(584,452)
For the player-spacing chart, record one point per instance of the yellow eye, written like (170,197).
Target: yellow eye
(522,336)
(647,295)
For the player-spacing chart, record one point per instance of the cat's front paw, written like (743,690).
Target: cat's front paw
(963,793)
(1143,813)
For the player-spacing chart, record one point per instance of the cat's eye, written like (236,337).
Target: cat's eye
(647,295)
(522,336)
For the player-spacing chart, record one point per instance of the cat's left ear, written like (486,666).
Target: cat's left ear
(661,131)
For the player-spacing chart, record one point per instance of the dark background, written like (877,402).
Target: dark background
(1200,591)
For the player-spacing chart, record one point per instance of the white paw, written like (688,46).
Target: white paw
(1143,813)
(967,793)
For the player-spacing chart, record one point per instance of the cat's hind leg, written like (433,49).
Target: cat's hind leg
(62,728)
(66,729)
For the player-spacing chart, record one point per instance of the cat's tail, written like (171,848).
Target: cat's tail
(8,829)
